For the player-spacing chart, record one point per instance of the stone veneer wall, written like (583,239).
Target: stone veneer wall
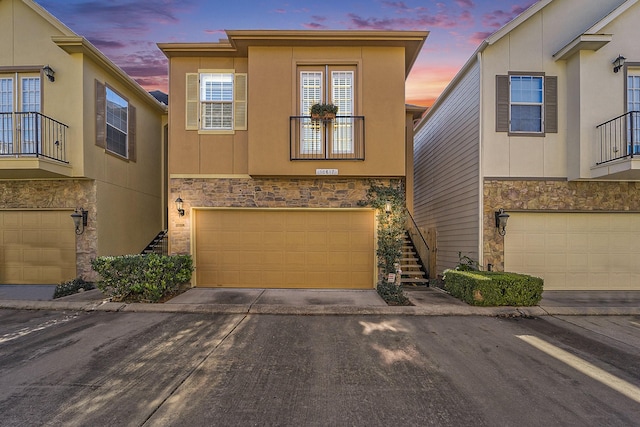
(259,193)
(551,195)
(59,194)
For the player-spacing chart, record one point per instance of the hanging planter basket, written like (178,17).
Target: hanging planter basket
(324,112)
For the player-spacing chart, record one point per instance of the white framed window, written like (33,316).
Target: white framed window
(216,101)
(117,117)
(115,122)
(633,104)
(327,84)
(20,103)
(527,104)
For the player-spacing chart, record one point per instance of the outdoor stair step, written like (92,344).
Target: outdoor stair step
(413,280)
(413,273)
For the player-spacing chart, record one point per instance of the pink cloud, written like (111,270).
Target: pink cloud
(498,18)
(465,3)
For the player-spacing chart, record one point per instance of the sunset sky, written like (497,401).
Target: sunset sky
(127,30)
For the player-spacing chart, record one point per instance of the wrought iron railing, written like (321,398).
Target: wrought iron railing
(341,138)
(32,134)
(619,138)
(419,241)
(159,244)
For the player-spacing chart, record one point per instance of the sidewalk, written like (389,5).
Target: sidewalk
(427,302)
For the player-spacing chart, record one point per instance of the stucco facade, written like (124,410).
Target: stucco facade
(271,156)
(63,155)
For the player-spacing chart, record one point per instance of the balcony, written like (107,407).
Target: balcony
(32,145)
(339,139)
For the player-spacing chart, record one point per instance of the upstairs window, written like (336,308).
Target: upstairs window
(216,101)
(526,104)
(115,122)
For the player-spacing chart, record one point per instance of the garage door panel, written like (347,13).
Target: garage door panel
(38,247)
(595,251)
(289,248)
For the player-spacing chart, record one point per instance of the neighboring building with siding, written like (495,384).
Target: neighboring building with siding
(271,197)
(538,123)
(89,137)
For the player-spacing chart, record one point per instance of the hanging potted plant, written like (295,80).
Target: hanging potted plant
(323,111)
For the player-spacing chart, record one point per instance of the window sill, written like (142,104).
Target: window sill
(216,132)
(535,134)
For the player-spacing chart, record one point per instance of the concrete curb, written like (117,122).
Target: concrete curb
(320,310)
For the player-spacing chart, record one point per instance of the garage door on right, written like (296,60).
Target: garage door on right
(576,251)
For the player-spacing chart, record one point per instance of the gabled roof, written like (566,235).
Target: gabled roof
(71,42)
(239,41)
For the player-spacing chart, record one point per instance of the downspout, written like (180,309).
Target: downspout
(480,163)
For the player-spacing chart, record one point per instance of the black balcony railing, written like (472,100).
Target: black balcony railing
(32,134)
(619,138)
(341,138)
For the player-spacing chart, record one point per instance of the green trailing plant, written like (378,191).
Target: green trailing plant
(147,278)
(322,110)
(72,287)
(389,203)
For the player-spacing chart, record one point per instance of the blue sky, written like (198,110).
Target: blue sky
(127,30)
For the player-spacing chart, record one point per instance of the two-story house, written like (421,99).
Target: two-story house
(268,196)
(542,123)
(77,136)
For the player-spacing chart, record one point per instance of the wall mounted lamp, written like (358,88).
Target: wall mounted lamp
(501,221)
(80,217)
(618,63)
(48,71)
(179,206)
(387,208)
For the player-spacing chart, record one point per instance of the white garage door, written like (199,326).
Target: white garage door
(37,247)
(576,251)
(297,248)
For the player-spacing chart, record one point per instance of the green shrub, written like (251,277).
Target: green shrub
(492,288)
(72,287)
(149,277)
(392,293)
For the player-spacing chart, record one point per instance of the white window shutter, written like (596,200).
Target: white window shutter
(192,101)
(240,101)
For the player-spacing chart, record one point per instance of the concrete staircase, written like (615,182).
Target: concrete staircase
(413,273)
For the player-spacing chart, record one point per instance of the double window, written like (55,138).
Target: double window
(115,122)
(20,103)
(526,104)
(216,101)
(327,84)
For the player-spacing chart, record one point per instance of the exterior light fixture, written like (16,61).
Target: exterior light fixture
(618,63)
(48,71)
(80,217)
(387,208)
(179,206)
(501,221)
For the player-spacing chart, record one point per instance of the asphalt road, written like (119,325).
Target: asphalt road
(158,369)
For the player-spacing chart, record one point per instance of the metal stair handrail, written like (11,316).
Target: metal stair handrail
(420,244)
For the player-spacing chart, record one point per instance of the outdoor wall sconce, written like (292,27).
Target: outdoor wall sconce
(80,217)
(387,208)
(618,63)
(179,206)
(48,71)
(501,221)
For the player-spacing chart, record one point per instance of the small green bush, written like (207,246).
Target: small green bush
(492,288)
(72,287)
(147,278)
(392,294)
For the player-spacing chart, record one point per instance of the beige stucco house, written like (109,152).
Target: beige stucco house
(86,138)
(271,196)
(539,123)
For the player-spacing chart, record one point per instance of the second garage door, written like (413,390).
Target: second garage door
(298,248)
(575,251)
(37,247)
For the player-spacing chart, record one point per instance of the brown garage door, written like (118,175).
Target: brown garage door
(270,248)
(36,247)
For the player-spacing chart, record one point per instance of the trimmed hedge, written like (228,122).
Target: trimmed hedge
(72,287)
(148,277)
(492,288)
